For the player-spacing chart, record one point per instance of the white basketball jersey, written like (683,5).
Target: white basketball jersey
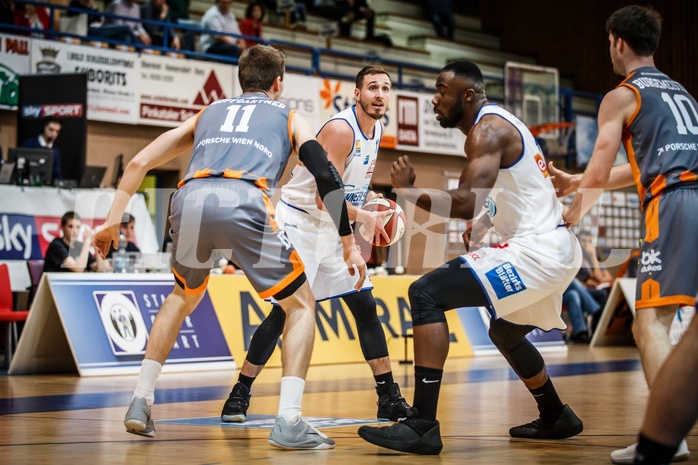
(359,165)
(523,199)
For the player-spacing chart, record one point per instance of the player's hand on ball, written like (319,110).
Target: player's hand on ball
(372,227)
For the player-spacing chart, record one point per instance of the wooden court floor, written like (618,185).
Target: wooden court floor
(64,419)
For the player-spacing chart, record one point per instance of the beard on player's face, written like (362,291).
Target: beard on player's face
(455,114)
(373,112)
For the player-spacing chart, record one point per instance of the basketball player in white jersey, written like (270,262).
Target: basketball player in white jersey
(520,280)
(352,138)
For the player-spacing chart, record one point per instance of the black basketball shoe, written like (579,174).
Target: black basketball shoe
(413,435)
(560,425)
(235,408)
(392,406)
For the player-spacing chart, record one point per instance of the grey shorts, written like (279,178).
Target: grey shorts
(217,218)
(667,272)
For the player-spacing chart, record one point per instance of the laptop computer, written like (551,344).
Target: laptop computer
(92,177)
(7,169)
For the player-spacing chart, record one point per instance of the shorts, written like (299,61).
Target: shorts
(320,247)
(524,278)
(667,273)
(228,218)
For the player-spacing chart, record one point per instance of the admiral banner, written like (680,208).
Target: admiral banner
(14,60)
(241,311)
(112,76)
(172,90)
(418,129)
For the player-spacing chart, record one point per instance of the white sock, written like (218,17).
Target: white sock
(150,370)
(291,398)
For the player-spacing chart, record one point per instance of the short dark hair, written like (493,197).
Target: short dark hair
(46,120)
(258,66)
(71,215)
(639,26)
(465,69)
(370,70)
(250,7)
(127,218)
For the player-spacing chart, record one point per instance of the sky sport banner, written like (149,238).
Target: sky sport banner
(112,76)
(14,60)
(417,127)
(171,90)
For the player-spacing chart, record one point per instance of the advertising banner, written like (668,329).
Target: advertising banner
(112,76)
(301,94)
(14,60)
(171,90)
(241,311)
(418,129)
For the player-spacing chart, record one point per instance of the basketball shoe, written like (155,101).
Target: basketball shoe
(392,406)
(235,408)
(138,420)
(627,455)
(413,435)
(559,425)
(300,435)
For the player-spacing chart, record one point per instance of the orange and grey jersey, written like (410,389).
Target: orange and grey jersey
(246,137)
(661,138)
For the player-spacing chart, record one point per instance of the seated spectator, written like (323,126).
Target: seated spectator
(252,24)
(299,13)
(130,9)
(94,25)
(179,10)
(127,228)
(579,303)
(441,17)
(347,12)
(50,129)
(68,253)
(6,15)
(157,10)
(219,18)
(30,16)
(595,277)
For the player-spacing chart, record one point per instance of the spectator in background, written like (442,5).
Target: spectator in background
(179,9)
(130,9)
(50,129)
(6,14)
(252,24)
(219,18)
(298,15)
(96,26)
(68,253)
(592,274)
(441,17)
(579,302)
(30,16)
(157,10)
(127,229)
(347,12)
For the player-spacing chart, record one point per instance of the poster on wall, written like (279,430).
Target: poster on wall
(112,76)
(14,60)
(418,129)
(300,94)
(171,90)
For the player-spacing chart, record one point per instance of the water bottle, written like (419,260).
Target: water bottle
(120,255)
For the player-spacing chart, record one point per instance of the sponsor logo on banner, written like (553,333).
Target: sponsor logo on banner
(64,110)
(9,86)
(14,58)
(122,321)
(650,261)
(505,280)
(211,91)
(17,237)
(48,64)
(408,120)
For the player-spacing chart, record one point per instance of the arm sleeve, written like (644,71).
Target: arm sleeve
(329,183)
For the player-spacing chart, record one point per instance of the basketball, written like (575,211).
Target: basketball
(394,224)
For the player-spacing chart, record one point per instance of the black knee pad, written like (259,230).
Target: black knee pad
(425,307)
(371,336)
(510,340)
(266,337)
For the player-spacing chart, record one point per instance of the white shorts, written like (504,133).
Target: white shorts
(319,246)
(524,278)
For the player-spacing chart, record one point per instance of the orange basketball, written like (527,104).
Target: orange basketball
(394,224)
